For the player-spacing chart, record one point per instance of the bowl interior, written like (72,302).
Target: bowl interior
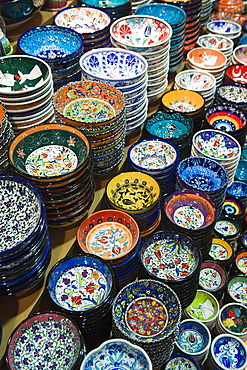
(204,307)
(183,101)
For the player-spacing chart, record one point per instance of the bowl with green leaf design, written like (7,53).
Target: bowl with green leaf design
(48,152)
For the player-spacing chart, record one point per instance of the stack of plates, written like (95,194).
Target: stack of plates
(177,128)
(6,136)
(162,257)
(206,175)
(114,236)
(157,158)
(213,278)
(219,146)
(192,213)
(59,47)
(232,93)
(227,28)
(57,159)
(98,110)
(206,12)
(25,242)
(200,81)
(185,101)
(236,73)
(149,36)
(227,118)
(124,70)
(83,287)
(221,43)
(92,22)
(26,90)
(137,194)
(209,60)
(176,17)
(147,313)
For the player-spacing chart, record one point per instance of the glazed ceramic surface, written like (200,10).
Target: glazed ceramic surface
(210,278)
(220,249)
(195,80)
(233,359)
(226,118)
(224,27)
(230,93)
(193,337)
(215,42)
(225,227)
(233,317)
(237,289)
(207,58)
(181,362)
(237,73)
(204,307)
(183,101)
(174,15)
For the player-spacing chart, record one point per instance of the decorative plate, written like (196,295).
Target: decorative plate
(236,358)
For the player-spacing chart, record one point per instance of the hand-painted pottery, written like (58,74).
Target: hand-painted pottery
(218,42)
(227,118)
(213,278)
(238,189)
(224,27)
(195,80)
(231,93)
(236,73)
(237,289)
(221,252)
(241,262)
(180,361)
(184,101)
(233,319)
(29,342)
(119,351)
(206,58)
(241,171)
(227,228)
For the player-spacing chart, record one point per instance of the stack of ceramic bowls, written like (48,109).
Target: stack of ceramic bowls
(174,259)
(92,22)
(149,36)
(59,47)
(232,93)
(219,146)
(236,73)
(227,118)
(192,213)
(25,242)
(220,357)
(176,17)
(83,287)
(6,136)
(185,101)
(180,360)
(57,159)
(116,8)
(229,230)
(114,236)
(137,194)
(135,4)
(236,290)
(227,28)
(221,43)
(177,128)
(238,190)
(194,339)
(124,70)
(209,60)
(206,175)
(199,81)
(26,90)
(239,55)
(206,11)
(54,331)
(241,171)
(157,158)
(233,207)
(98,111)
(222,253)
(213,278)
(147,313)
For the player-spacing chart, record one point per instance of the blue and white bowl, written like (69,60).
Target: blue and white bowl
(224,28)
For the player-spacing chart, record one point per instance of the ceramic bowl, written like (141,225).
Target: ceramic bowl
(241,171)
(236,73)
(109,234)
(238,189)
(224,27)
(141,33)
(118,67)
(232,93)
(218,42)
(185,101)
(213,278)
(207,59)
(119,351)
(200,81)
(179,360)
(221,251)
(227,118)
(239,54)
(51,43)
(236,289)
(49,151)
(53,330)
(85,19)
(232,320)
(134,192)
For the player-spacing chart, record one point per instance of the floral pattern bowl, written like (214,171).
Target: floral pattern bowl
(184,101)
(117,352)
(194,80)
(218,42)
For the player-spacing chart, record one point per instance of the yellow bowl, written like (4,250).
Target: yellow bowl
(186,101)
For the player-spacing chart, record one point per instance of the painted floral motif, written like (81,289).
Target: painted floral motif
(195,81)
(210,279)
(191,340)
(225,228)
(218,252)
(51,160)
(188,217)
(242,264)
(146,316)
(230,359)
(238,291)
(181,106)
(81,288)
(47,344)
(169,260)
(180,363)
(109,240)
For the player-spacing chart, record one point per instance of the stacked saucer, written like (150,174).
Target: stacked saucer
(192,213)
(83,287)
(149,36)
(232,93)
(176,17)
(157,158)
(92,22)
(6,136)
(177,128)
(227,28)
(98,111)
(59,47)
(25,242)
(26,90)
(162,257)
(114,236)
(137,194)
(209,60)
(200,81)
(206,175)
(221,43)
(125,70)
(219,146)
(57,159)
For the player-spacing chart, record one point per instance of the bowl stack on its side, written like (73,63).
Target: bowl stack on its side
(25,243)
(58,160)
(125,70)
(60,47)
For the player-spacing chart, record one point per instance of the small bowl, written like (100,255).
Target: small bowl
(239,54)
(218,42)
(185,101)
(200,81)
(232,320)
(236,73)
(207,59)
(178,360)
(232,93)
(224,27)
